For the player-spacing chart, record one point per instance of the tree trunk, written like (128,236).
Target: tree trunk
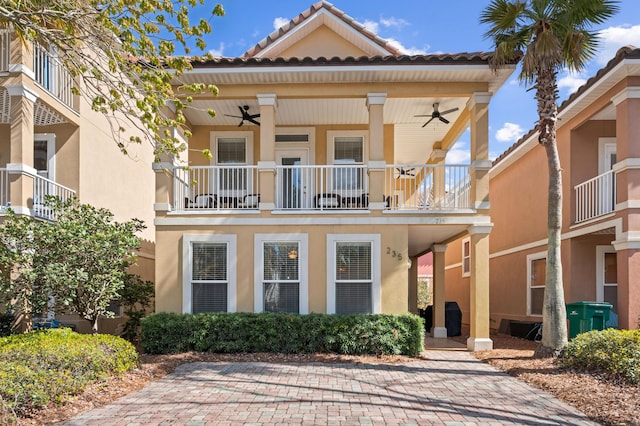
(554,315)
(94,325)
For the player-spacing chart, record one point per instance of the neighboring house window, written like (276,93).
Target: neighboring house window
(536,273)
(354,274)
(209,277)
(232,149)
(347,148)
(466,257)
(281,284)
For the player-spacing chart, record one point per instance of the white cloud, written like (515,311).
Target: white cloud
(510,132)
(459,153)
(219,51)
(372,26)
(406,50)
(394,22)
(613,38)
(571,81)
(280,22)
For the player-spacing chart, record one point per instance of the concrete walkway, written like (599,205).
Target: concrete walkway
(450,388)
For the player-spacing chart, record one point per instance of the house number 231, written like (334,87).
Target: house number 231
(394,253)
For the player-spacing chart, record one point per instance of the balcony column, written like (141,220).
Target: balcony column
(267,160)
(479,338)
(165,171)
(627,169)
(478,107)
(438,190)
(439,330)
(20,164)
(376,167)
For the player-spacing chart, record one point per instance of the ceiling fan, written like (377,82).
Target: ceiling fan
(437,114)
(245,116)
(405,172)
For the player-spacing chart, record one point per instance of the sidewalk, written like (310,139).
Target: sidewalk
(451,387)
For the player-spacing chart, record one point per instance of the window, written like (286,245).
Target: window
(232,149)
(281,284)
(353,273)
(466,257)
(536,275)
(347,148)
(209,281)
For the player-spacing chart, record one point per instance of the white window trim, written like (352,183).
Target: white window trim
(187,256)
(333,134)
(465,274)
(50,138)
(531,257)
(600,284)
(303,257)
(376,272)
(309,146)
(213,144)
(604,147)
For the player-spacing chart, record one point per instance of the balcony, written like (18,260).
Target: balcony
(323,188)
(5,50)
(595,197)
(42,187)
(52,75)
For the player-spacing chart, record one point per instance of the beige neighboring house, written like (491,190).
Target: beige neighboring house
(599,145)
(52,143)
(326,205)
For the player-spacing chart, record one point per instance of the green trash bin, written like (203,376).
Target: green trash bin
(587,316)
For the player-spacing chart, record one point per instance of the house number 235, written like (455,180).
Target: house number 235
(394,253)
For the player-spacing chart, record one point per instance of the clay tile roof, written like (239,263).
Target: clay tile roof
(626,52)
(271,38)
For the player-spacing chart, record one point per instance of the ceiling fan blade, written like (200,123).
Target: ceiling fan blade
(448,111)
(254,116)
(423,115)
(241,123)
(251,120)
(444,120)
(430,120)
(234,116)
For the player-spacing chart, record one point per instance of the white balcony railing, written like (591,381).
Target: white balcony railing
(5,49)
(427,187)
(43,187)
(596,197)
(215,188)
(325,187)
(4,189)
(52,75)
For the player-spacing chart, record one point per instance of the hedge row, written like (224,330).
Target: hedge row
(283,333)
(50,365)
(613,351)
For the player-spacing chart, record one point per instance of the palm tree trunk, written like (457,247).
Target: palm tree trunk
(554,316)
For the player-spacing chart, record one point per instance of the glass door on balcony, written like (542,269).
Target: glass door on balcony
(44,155)
(292,184)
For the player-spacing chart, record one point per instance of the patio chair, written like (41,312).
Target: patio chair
(249,201)
(328,201)
(201,201)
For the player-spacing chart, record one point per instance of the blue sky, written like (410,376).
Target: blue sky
(419,27)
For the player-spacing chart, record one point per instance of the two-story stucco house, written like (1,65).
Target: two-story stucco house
(328,177)
(598,140)
(52,143)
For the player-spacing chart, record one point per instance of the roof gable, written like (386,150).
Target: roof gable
(321,31)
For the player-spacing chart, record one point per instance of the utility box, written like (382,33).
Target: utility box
(587,316)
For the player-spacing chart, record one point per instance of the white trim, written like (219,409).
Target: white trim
(600,284)
(214,135)
(50,139)
(480,229)
(629,204)
(438,154)
(482,205)
(21,90)
(380,165)
(303,265)
(453,266)
(439,332)
(479,344)
(439,248)
(624,94)
(604,154)
(627,163)
(309,218)
(161,207)
(465,273)
(479,98)
(187,255)
(531,257)
(376,272)
(267,99)
(18,168)
(480,165)
(376,99)
(22,68)
(162,167)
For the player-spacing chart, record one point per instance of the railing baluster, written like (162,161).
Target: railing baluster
(595,197)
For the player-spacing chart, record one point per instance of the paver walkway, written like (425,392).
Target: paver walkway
(450,388)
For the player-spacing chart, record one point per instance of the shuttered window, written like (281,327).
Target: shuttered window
(209,277)
(232,151)
(353,274)
(281,276)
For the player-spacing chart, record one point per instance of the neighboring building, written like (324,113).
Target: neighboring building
(599,145)
(320,207)
(52,143)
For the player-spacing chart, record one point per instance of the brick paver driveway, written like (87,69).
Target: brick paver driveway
(451,388)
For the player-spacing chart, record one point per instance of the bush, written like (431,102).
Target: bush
(6,324)
(610,350)
(50,365)
(283,333)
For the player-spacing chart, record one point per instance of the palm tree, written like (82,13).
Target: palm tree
(550,35)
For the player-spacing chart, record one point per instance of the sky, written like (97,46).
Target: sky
(428,27)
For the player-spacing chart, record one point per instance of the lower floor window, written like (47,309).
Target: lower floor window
(536,279)
(282,297)
(209,297)
(353,298)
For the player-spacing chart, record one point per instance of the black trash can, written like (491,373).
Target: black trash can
(452,318)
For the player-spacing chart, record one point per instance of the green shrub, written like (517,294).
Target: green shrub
(6,323)
(284,333)
(610,350)
(48,366)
